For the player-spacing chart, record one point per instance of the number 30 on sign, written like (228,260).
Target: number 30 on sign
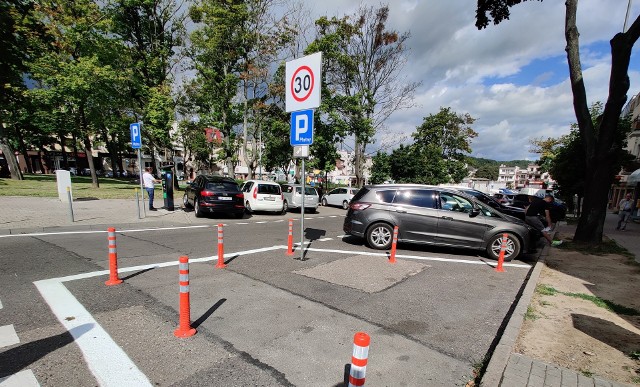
(303,80)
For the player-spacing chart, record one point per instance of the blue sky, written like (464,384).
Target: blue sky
(513,77)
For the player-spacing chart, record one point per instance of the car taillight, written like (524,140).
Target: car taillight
(359,206)
(281,196)
(207,193)
(240,195)
(255,193)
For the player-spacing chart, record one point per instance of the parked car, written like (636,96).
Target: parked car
(262,195)
(339,197)
(293,197)
(435,216)
(214,194)
(503,198)
(490,201)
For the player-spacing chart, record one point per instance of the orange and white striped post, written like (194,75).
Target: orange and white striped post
(113,258)
(220,264)
(184,327)
(503,248)
(359,359)
(392,259)
(290,238)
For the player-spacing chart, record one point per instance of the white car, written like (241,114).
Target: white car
(339,197)
(262,195)
(293,197)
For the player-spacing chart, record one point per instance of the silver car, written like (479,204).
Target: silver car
(293,197)
(339,197)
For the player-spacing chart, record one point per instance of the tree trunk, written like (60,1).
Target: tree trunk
(63,146)
(598,144)
(12,162)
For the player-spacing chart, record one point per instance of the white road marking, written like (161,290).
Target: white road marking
(261,222)
(8,336)
(333,216)
(24,378)
(0,304)
(277,221)
(110,365)
(324,239)
(448,260)
(341,236)
(103,231)
(242,223)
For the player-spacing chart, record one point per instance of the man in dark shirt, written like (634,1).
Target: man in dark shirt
(537,208)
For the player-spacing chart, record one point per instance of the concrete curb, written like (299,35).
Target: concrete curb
(493,374)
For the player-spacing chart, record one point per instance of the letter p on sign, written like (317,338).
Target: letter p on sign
(302,128)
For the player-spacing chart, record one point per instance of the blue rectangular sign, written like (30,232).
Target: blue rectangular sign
(302,127)
(136,135)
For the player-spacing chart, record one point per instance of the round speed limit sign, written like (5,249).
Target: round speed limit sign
(303,83)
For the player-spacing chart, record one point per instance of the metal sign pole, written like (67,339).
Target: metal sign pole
(302,216)
(144,207)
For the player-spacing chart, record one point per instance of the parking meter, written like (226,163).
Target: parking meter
(167,186)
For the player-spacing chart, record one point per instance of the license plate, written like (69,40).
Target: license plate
(269,198)
(224,198)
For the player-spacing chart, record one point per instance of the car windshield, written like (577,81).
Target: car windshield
(222,186)
(269,189)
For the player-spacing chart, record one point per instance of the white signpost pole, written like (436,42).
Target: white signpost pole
(303,83)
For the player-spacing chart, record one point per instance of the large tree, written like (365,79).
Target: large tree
(599,140)
(363,63)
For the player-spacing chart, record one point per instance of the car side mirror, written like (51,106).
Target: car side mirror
(474,212)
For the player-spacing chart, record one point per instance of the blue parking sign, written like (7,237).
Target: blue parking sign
(302,127)
(136,135)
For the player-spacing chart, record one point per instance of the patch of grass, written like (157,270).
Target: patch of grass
(46,186)
(635,355)
(586,373)
(608,246)
(546,290)
(545,303)
(609,305)
(530,314)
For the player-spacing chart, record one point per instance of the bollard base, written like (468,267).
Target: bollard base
(499,269)
(112,282)
(184,333)
(220,265)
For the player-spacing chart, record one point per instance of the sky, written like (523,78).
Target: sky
(512,78)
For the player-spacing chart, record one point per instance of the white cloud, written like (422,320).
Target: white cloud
(463,68)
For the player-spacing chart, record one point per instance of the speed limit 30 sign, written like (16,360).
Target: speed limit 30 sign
(303,77)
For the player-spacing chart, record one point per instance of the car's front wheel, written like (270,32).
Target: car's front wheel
(511,251)
(345,205)
(380,236)
(247,207)
(324,202)
(285,207)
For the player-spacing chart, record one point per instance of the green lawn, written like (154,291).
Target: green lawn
(46,186)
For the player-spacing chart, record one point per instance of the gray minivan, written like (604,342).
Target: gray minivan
(293,197)
(436,216)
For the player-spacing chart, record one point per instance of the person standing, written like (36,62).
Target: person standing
(624,212)
(149,185)
(537,208)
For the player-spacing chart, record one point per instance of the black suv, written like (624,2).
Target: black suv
(214,194)
(436,216)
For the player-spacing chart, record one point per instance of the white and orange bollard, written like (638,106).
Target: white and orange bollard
(290,238)
(113,258)
(184,327)
(359,359)
(503,248)
(220,264)
(394,243)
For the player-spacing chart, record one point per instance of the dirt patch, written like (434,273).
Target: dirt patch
(564,326)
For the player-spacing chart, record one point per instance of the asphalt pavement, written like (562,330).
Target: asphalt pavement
(27,215)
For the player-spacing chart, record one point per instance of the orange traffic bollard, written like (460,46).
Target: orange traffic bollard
(184,327)
(392,259)
(290,238)
(503,248)
(113,258)
(220,264)
(359,359)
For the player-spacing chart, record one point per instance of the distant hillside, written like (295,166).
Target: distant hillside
(477,163)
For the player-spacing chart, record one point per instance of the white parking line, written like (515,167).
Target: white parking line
(103,231)
(448,260)
(8,336)
(279,220)
(24,378)
(110,365)
(0,304)
(242,223)
(262,222)
(324,239)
